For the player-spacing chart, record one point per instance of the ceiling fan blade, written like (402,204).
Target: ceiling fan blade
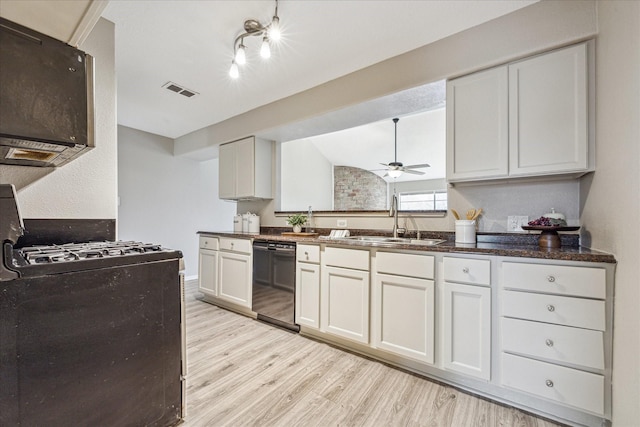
(386,165)
(424,165)
(377,170)
(414,172)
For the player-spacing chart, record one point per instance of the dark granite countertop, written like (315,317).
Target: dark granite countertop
(500,244)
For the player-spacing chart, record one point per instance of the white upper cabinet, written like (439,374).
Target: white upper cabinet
(477,125)
(245,169)
(227,171)
(548,114)
(525,119)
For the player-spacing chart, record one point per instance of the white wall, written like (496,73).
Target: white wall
(166,199)
(306,178)
(86,187)
(611,197)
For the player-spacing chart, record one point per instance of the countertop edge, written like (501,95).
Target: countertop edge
(507,250)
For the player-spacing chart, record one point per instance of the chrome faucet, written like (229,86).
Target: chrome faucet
(393,211)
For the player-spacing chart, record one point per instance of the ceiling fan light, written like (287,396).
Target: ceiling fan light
(265,49)
(241,56)
(233,71)
(394,173)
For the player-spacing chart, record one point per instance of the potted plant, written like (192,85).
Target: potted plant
(297,221)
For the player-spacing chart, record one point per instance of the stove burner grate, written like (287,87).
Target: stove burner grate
(79,251)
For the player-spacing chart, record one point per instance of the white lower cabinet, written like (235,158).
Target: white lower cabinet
(345,303)
(208,271)
(403,305)
(235,271)
(208,266)
(466,317)
(543,326)
(308,286)
(467,329)
(403,316)
(568,386)
(554,333)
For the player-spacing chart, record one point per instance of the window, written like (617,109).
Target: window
(423,201)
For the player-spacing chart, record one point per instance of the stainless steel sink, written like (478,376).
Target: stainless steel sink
(378,240)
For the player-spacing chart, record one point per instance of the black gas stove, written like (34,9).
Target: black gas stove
(82,321)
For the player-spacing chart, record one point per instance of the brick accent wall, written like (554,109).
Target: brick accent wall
(358,189)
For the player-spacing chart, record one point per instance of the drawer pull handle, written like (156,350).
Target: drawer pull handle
(551,308)
(465,270)
(549,343)
(551,279)
(549,383)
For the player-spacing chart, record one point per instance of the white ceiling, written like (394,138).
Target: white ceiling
(191,43)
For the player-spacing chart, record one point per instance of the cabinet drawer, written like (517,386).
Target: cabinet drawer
(465,270)
(235,245)
(582,313)
(555,279)
(346,258)
(308,253)
(564,385)
(576,346)
(208,242)
(410,265)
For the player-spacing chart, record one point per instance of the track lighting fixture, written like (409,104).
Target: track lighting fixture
(269,32)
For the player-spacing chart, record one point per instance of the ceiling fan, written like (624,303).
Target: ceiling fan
(396,168)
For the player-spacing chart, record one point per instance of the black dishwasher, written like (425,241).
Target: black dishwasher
(274,283)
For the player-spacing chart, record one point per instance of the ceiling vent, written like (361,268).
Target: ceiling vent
(173,87)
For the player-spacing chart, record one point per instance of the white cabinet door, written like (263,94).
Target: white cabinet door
(477,126)
(345,303)
(548,114)
(245,167)
(207,272)
(403,316)
(467,329)
(227,171)
(234,278)
(308,294)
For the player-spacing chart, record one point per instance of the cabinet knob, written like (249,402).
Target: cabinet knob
(549,343)
(206,243)
(231,245)
(551,279)
(549,383)
(551,308)
(465,270)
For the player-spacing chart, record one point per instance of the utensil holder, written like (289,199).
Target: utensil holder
(465,231)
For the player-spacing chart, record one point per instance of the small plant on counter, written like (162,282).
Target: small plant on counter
(296,219)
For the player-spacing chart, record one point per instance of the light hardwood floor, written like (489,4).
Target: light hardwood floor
(242,372)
